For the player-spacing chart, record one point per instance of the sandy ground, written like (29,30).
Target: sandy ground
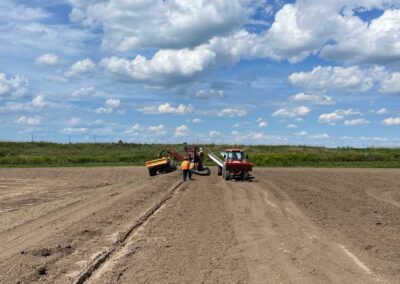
(116,225)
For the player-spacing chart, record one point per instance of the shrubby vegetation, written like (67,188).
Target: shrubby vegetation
(14,154)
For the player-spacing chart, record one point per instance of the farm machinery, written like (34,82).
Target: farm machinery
(162,165)
(234,164)
(168,158)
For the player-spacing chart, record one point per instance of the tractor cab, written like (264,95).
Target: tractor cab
(234,155)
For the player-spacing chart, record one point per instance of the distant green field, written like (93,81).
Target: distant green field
(13,154)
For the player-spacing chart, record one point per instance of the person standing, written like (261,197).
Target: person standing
(185,166)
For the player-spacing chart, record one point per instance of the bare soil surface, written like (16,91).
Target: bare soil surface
(117,225)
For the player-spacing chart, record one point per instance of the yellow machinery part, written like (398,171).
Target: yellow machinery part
(157,162)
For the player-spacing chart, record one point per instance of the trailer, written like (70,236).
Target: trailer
(234,164)
(162,165)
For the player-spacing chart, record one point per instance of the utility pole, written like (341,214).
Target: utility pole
(69,139)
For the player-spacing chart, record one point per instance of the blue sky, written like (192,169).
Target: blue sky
(206,71)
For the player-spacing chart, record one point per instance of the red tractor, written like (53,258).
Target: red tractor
(234,164)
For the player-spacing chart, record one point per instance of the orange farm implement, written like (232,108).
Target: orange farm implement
(168,159)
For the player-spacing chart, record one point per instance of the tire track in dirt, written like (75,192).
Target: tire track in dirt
(384,195)
(187,241)
(280,244)
(58,245)
(346,212)
(37,229)
(105,255)
(213,231)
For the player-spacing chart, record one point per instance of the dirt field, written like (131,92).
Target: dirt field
(116,225)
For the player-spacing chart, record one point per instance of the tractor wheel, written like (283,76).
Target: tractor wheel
(246,176)
(219,171)
(226,174)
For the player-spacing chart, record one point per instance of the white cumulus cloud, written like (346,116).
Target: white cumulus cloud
(80,67)
(181,131)
(167,108)
(299,29)
(24,120)
(210,94)
(358,121)
(262,123)
(232,112)
(314,99)
(332,27)
(292,113)
(103,110)
(83,92)
(13,11)
(74,121)
(330,118)
(13,87)
(301,133)
(391,84)
(215,134)
(157,129)
(134,129)
(361,42)
(39,101)
(351,78)
(320,136)
(333,117)
(197,121)
(382,111)
(110,106)
(177,23)
(47,59)
(113,103)
(391,121)
(309,26)
(166,67)
(74,130)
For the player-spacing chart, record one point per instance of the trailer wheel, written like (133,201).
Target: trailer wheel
(167,168)
(219,171)
(152,172)
(172,166)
